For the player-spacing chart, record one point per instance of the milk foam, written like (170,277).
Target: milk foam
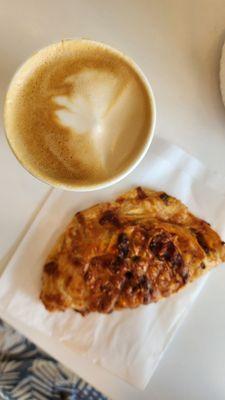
(100,109)
(77,113)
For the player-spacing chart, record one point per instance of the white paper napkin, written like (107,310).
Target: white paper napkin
(127,343)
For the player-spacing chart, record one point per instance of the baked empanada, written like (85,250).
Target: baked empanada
(142,247)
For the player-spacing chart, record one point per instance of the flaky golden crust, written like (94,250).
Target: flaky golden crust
(136,250)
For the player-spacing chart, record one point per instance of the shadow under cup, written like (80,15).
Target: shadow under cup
(79,115)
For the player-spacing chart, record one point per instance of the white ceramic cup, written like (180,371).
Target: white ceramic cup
(132,165)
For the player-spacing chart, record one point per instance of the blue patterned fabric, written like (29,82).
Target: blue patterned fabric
(27,373)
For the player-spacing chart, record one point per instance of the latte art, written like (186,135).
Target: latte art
(103,112)
(77,113)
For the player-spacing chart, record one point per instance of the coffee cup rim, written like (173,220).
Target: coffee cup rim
(133,164)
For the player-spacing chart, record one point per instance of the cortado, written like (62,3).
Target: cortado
(78,114)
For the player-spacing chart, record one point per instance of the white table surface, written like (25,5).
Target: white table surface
(177,43)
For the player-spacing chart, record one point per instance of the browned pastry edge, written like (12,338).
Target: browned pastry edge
(142,247)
